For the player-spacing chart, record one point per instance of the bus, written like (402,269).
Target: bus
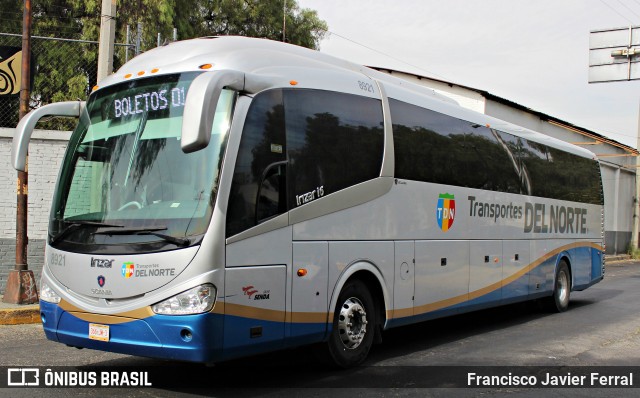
(223,197)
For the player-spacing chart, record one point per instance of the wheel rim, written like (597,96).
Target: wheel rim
(563,287)
(352,323)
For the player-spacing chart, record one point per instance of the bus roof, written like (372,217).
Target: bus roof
(262,56)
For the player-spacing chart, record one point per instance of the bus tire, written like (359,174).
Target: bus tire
(559,301)
(354,323)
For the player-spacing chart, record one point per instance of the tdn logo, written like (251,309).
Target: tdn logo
(445,211)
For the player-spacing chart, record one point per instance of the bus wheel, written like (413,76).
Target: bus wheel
(559,302)
(353,325)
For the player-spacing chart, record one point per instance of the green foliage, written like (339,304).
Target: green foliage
(255,18)
(634,252)
(67,71)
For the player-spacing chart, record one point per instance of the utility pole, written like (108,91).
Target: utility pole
(284,20)
(636,199)
(612,55)
(107,39)
(21,285)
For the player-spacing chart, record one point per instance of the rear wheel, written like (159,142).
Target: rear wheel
(559,301)
(353,325)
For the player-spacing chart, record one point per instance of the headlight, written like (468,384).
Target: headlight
(194,301)
(47,294)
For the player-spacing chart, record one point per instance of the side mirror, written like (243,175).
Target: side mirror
(27,124)
(200,106)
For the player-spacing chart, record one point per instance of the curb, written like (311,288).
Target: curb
(617,258)
(20,316)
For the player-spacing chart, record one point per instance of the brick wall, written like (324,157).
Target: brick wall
(46,150)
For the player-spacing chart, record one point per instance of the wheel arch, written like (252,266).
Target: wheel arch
(567,259)
(371,276)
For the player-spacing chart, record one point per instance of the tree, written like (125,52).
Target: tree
(67,71)
(264,19)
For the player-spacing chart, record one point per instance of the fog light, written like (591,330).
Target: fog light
(186,335)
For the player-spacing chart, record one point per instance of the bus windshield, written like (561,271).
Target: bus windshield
(125,179)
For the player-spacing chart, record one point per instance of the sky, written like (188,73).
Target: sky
(534,53)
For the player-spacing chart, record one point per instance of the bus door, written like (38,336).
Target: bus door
(258,235)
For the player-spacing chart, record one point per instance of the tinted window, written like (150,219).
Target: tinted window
(437,148)
(258,190)
(429,146)
(561,175)
(334,141)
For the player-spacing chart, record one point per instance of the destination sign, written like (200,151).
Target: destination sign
(149,101)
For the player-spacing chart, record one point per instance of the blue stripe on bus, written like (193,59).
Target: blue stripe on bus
(158,336)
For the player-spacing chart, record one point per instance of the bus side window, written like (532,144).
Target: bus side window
(258,189)
(334,141)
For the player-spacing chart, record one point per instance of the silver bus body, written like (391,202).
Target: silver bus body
(422,250)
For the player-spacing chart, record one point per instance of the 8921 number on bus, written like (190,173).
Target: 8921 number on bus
(364,86)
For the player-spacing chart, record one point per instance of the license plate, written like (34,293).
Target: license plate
(98,332)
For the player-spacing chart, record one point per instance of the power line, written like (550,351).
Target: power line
(617,12)
(385,54)
(630,10)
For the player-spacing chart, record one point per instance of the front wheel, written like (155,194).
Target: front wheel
(353,325)
(559,302)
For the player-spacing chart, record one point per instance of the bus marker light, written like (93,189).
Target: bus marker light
(128,75)
(302,272)
(141,73)
(154,70)
(293,82)
(94,88)
(206,66)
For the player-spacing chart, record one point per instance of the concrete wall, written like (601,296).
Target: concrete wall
(45,155)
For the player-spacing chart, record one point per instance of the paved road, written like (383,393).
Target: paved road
(601,329)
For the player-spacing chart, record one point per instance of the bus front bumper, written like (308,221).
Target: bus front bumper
(185,338)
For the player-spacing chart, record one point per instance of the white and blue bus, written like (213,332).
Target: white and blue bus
(222,197)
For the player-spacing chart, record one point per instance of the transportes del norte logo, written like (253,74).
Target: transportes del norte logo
(445,211)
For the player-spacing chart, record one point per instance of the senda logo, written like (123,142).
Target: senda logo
(445,211)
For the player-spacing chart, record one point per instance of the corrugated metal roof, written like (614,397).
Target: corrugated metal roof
(515,105)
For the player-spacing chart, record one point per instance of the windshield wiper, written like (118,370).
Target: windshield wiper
(73,225)
(145,231)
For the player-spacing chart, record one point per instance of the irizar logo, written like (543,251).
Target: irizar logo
(445,211)
(101,262)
